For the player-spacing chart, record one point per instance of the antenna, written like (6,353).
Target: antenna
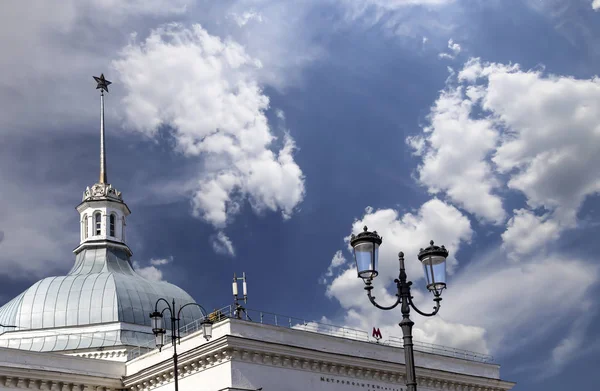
(234,285)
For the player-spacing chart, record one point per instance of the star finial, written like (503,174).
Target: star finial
(102,83)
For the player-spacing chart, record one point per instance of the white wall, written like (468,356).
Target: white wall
(326,343)
(252,376)
(213,379)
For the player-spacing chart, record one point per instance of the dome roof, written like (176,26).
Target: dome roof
(101,288)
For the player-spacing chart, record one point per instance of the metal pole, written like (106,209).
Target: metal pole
(406,324)
(102,142)
(174,342)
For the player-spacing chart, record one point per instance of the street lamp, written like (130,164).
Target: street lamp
(366,255)
(159,331)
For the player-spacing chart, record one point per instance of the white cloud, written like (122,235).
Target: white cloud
(454,48)
(390,5)
(403,18)
(222,244)
(280,114)
(554,131)
(151,273)
(337,261)
(455,151)
(161,261)
(551,130)
(208,96)
(527,232)
(493,292)
(245,17)
(596,4)
(538,131)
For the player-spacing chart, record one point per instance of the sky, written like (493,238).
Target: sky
(257,135)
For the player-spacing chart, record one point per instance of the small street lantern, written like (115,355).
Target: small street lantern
(159,335)
(156,319)
(366,254)
(207,328)
(433,259)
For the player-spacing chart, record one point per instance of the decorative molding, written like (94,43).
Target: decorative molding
(230,348)
(33,383)
(103,355)
(100,192)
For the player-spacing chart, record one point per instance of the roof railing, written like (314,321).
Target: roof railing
(279,320)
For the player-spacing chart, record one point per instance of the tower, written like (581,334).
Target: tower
(101,306)
(102,210)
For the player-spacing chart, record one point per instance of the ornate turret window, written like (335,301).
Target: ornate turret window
(85,226)
(98,223)
(112,225)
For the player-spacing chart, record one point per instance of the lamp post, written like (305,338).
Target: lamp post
(159,332)
(366,255)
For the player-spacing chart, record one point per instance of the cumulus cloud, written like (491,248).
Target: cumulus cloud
(222,244)
(455,150)
(151,272)
(551,130)
(208,97)
(553,127)
(532,130)
(596,4)
(527,232)
(454,48)
(161,261)
(493,285)
(337,261)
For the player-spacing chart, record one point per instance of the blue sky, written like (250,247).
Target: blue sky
(256,136)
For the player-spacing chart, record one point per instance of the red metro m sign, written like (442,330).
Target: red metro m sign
(376,333)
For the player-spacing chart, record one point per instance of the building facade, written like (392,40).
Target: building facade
(246,355)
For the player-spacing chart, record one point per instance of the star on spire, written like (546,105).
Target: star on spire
(102,83)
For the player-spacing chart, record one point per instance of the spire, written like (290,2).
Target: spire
(102,85)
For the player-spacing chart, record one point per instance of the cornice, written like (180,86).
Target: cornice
(194,358)
(103,354)
(55,381)
(102,243)
(231,348)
